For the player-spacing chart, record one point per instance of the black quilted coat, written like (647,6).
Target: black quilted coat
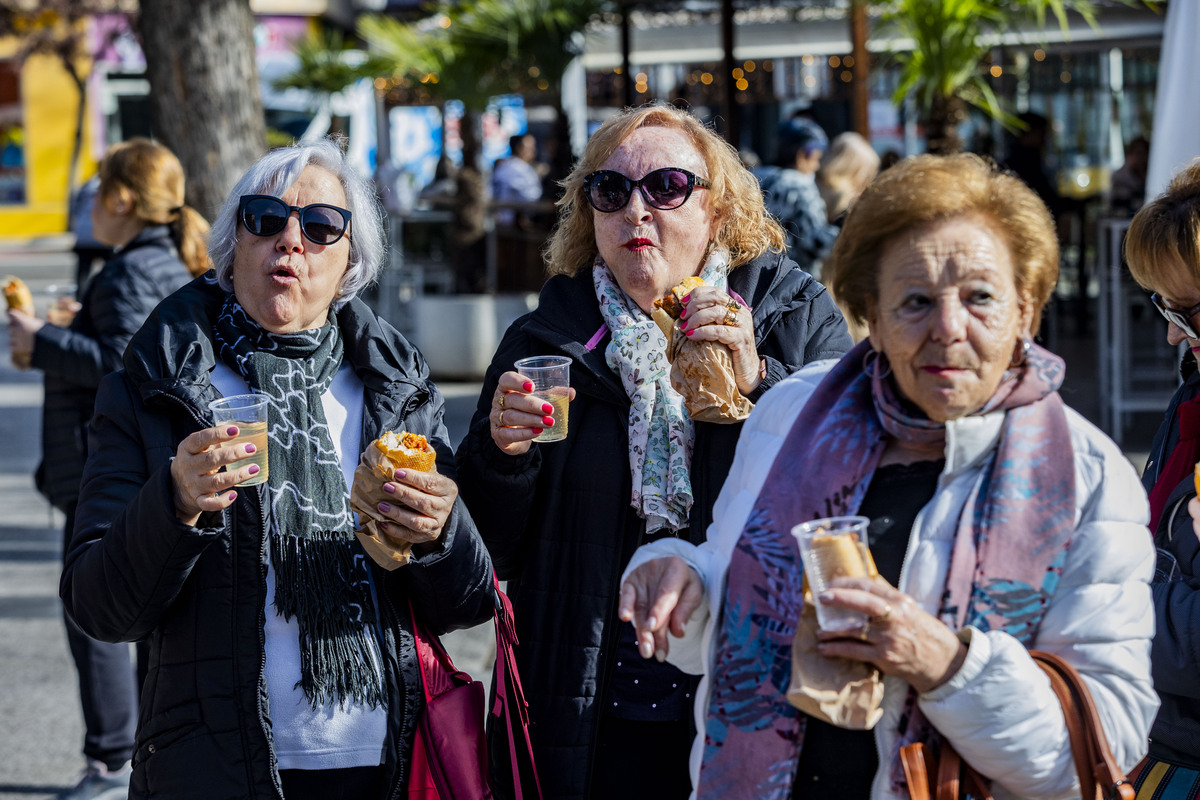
(558,520)
(134,571)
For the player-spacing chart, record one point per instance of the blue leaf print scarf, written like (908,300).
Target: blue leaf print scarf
(661,433)
(1008,553)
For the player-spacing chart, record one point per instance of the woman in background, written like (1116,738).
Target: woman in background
(159,244)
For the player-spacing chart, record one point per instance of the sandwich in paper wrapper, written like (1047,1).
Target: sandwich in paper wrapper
(700,371)
(390,452)
(842,692)
(18,296)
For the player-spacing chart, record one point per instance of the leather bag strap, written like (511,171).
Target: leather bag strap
(1099,775)
(913,757)
(510,704)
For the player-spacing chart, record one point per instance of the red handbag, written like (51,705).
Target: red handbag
(449,756)
(946,777)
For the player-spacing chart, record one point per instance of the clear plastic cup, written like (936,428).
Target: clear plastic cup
(834,547)
(551,378)
(249,413)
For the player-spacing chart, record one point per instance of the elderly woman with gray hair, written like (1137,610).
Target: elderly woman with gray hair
(282,660)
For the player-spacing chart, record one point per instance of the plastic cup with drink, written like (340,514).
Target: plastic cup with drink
(551,379)
(831,548)
(249,413)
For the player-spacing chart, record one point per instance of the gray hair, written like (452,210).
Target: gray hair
(273,174)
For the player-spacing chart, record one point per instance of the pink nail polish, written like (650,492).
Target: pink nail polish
(547,408)
(251,448)
(527,386)
(399,474)
(390,488)
(384,507)
(688,333)
(231,430)
(254,469)
(538,431)
(686,297)
(548,421)
(683,314)
(232,496)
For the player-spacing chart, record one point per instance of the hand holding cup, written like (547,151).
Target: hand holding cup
(531,405)
(203,471)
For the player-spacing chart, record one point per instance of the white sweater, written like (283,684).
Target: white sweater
(998,710)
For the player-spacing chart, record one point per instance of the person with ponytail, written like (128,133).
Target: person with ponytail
(159,245)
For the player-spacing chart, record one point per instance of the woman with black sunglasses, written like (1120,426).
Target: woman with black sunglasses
(1163,252)
(656,198)
(282,660)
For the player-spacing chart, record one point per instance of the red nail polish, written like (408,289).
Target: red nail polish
(688,333)
(231,430)
(683,314)
(254,469)
(548,421)
(527,386)
(232,496)
(251,448)
(547,408)
(538,431)
(686,297)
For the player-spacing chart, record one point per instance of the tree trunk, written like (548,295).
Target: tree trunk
(941,131)
(204,99)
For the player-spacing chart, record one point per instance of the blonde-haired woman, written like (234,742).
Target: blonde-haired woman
(657,197)
(159,245)
(847,167)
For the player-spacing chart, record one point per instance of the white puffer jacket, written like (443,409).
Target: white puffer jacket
(998,710)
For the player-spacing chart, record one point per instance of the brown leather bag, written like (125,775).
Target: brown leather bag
(948,778)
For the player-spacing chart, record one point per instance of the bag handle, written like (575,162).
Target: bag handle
(510,696)
(1099,775)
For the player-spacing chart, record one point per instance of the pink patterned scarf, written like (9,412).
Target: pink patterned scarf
(1013,535)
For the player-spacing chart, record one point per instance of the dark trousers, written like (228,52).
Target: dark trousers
(109,683)
(642,760)
(352,783)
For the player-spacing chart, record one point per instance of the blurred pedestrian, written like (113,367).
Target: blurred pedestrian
(847,167)
(158,243)
(515,179)
(1162,249)
(790,191)
(1128,190)
(87,249)
(282,660)
(656,198)
(1001,521)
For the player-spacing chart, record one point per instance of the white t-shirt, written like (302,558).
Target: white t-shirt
(330,736)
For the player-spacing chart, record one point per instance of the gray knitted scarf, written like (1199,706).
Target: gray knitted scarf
(320,572)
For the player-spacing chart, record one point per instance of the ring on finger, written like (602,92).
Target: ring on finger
(731,312)
(501,418)
(866,630)
(885,616)
(501,402)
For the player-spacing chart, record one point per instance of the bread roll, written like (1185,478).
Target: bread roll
(18,295)
(668,307)
(407,450)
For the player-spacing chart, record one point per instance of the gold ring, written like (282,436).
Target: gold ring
(885,616)
(866,630)
(501,402)
(731,312)
(502,418)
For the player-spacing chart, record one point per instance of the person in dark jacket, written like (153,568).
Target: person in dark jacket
(656,198)
(140,211)
(282,661)
(1162,248)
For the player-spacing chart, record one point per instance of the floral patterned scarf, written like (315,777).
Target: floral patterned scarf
(661,433)
(1013,533)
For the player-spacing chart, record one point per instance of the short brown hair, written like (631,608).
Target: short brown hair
(1166,232)
(925,189)
(746,229)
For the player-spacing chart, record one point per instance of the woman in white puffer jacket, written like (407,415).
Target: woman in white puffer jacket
(1006,521)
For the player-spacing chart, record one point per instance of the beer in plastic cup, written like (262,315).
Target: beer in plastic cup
(249,413)
(551,380)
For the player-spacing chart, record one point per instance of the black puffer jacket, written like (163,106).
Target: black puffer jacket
(115,304)
(1175,653)
(134,570)
(558,519)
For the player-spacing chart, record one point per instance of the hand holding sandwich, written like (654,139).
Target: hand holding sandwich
(711,315)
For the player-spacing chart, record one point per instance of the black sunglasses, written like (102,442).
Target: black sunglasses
(264,215)
(664,189)
(1182,319)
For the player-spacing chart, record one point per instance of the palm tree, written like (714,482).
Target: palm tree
(950,39)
